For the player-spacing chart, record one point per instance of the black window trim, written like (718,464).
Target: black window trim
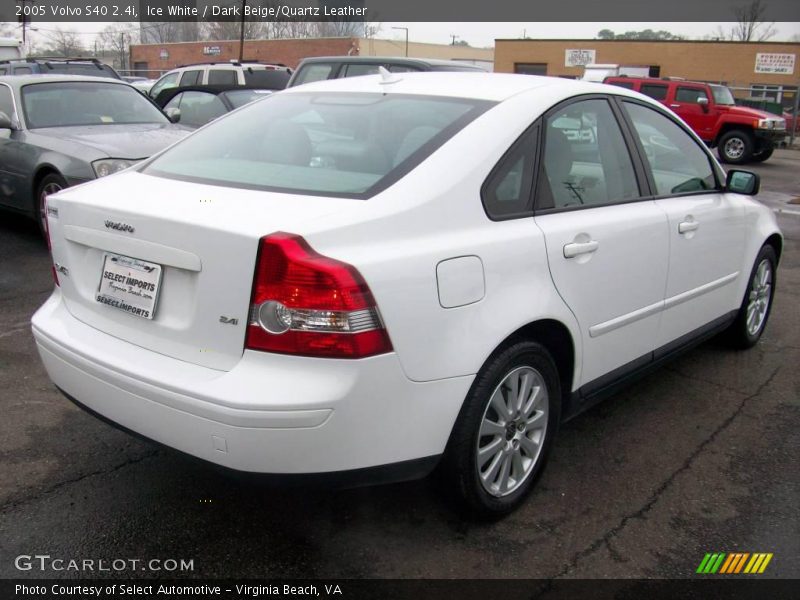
(642,181)
(532,134)
(639,149)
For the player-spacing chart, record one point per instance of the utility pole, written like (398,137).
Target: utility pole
(455,37)
(241,33)
(406,30)
(122,50)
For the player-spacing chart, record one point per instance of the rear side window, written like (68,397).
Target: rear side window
(586,160)
(313,72)
(689,94)
(271,79)
(628,85)
(677,162)
(191,77)
(337,144)
(22,70)
(222,77)
(655,91)
(507,192)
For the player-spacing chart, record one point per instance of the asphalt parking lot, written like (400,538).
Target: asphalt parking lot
(699,457)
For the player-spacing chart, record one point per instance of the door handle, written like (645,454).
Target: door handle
(577,248)
(687,226)
(674,105)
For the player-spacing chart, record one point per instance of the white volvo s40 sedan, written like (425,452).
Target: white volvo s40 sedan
(369,277)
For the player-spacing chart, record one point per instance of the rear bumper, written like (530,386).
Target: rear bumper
(269,414)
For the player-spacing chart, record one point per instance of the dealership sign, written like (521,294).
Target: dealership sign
(577,57)
(778,64)
(212,50)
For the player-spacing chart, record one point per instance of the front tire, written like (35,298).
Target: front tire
(736,147)
(50,184)
(503,435)
(754,312)
(763,155)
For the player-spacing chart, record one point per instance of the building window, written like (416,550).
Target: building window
(530,68)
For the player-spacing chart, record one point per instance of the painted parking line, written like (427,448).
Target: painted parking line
(786,211)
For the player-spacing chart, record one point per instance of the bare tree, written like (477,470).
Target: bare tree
(7,29)
(63,43)
(231,30)
(750,25)
(165,32)
(118,39)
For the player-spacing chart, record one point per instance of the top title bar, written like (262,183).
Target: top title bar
(388,10)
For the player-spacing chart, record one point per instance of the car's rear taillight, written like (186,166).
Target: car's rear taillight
(307,304)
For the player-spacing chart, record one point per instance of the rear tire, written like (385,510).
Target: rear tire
(50,184)
(753,314)
(503,435)
(736,147)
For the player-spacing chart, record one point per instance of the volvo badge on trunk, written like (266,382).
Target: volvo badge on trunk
(119,226)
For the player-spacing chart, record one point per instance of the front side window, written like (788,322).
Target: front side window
(677,162)
(170,80)
(585,161)
(689,94)
(722,95)
(66,104)
(199,108)
(350,145)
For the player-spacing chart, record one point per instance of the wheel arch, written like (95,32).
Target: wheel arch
(776,241)
(726,127)
(41,172)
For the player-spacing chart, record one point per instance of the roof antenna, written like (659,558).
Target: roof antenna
(387,77)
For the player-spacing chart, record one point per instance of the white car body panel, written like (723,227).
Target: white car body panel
(184,378)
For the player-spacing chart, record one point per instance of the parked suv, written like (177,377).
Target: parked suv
(90,67)
(334,67)
(740,134)
(249,73)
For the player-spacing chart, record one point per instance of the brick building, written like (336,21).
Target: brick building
(154,59)
(751,68)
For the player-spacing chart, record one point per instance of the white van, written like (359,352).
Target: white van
(10,48)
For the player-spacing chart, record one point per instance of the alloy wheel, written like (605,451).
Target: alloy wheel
(759,298)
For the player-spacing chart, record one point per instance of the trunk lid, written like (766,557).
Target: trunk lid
(204,238)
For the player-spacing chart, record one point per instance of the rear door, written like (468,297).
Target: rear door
(706,226)
(607,246)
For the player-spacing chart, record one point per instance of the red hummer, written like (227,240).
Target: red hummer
(740,134)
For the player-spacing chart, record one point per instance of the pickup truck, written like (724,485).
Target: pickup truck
(739,133)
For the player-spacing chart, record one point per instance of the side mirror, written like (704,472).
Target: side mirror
(5,121)
(703,102)
(743,182)
(173,114)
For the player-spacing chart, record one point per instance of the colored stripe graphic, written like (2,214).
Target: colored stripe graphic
(733,563)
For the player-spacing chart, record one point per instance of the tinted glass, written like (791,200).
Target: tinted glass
(358,70)
(6,101)
(628,85)
(79,69)
(170,80)
(689,95)
(270,79)
(659,92)
(586,161)
(199,108)
(678,163)
(222,76)
(313,72)
(324,143)
(507,192)
(239,98)
(191,77)
(86,103)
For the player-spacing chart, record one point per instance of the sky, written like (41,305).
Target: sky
(484,34)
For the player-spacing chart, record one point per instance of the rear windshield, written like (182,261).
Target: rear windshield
(330,144)
(270,79)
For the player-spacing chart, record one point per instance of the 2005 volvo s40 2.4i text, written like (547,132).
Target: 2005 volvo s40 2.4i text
(371,277)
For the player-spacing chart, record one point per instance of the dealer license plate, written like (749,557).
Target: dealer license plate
(129,284)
